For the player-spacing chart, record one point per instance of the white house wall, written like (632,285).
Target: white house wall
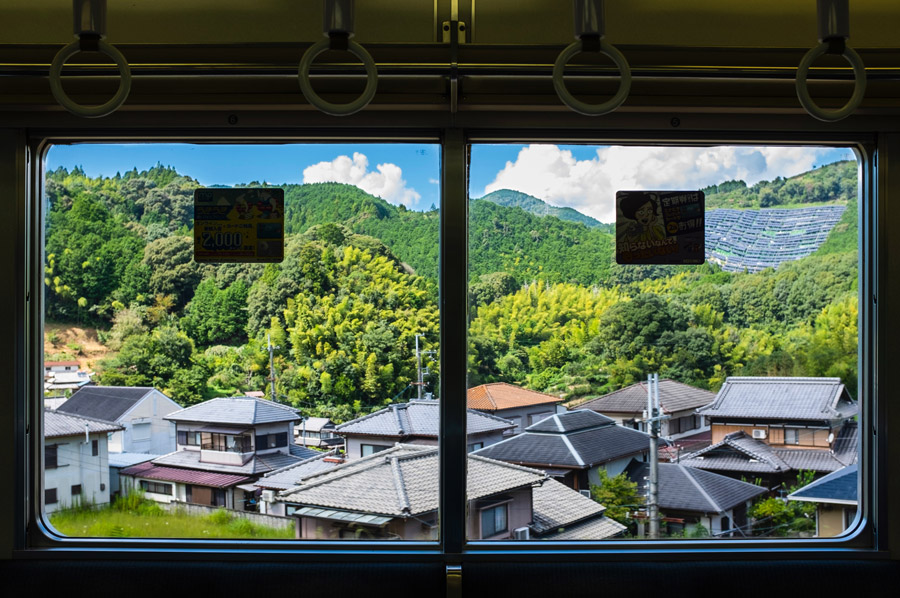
(149,410)
(76,465)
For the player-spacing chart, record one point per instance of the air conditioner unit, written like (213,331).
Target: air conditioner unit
(585,493)
(760,434)
(268,495)
(522,533)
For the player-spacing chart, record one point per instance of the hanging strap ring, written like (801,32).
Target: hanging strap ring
(859,73)
(89,111)
(583,107)
(338,109)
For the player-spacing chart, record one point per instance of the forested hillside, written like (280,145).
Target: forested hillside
(533,205)
(550,309)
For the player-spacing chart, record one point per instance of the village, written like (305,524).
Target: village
(698,460)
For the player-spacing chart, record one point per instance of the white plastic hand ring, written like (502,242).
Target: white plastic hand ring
(859,72)
(89,111)
(338,109)
(583,107)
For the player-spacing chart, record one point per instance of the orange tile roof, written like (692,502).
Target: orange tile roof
(500,395)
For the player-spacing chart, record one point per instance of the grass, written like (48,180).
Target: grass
(135,517)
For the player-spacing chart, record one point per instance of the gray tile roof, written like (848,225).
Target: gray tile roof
(104,402)
(292,475)
(257,465)
(673,396)
(841,487)
(302,452)
(416,418)
(571,421)
(784,399)
(236,411)
(739,453)
(58,424)
(684,488)
(579,449)
(403,481)
(599,528)
(555,505)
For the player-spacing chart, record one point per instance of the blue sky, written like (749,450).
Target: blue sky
(584,177)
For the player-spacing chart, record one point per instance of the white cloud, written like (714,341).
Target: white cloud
(434,181)
(589,186)
(386,181)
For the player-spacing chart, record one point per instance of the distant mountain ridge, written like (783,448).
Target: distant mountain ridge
(538,207)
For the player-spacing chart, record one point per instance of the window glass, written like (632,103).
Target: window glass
(186,369)
(751,347)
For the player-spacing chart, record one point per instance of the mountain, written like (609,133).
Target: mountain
(832,183)
(502,238)
(538,207)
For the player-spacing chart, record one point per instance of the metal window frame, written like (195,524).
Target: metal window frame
(455,142)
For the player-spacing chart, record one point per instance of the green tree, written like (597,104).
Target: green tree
(619,495)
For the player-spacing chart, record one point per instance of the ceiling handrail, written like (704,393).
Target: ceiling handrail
(90,29)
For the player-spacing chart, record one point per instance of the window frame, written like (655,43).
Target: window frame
(454,148)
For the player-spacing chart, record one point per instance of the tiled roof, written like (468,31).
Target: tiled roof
(302,452)
(687,489)
(786,399)
(58,424)
(129,459)
(416,418)
(184,476)
(580,449)
(315,424)
(236,411)
(403,481)
(739,453)
(292,475)
(599,528)
(500,395)
(104,402)
(48,364)
(555,505)
(841,487)
(571,421)
(673,396)
(257,465)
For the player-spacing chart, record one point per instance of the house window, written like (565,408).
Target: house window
(269,441)
(50,454)
(493,521)
(141,431)
(371,449)
(95,448)
(475,446)
(156,487)
(791,436)
(50,496)
(188,438)
(76,490)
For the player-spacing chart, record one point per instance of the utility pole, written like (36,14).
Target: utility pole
(271,365)
(420,373)
(652,417)
(420,381)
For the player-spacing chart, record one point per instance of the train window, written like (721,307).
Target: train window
(301,400)
(178,393)
(751,355)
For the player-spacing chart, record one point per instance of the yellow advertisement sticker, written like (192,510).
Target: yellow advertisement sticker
(244,225)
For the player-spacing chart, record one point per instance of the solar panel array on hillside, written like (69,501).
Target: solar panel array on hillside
(753,240)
